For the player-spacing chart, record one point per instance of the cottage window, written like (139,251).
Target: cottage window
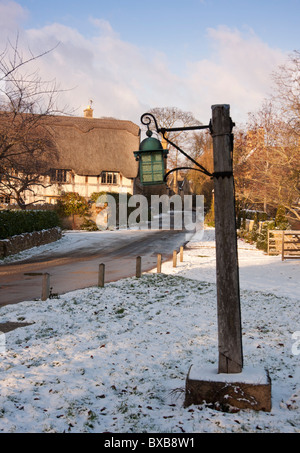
(5,199)
(109,177)
(59,176)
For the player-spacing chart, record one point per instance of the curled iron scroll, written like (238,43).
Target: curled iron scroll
(147,119)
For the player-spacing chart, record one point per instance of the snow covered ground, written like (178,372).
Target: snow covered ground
(115,359)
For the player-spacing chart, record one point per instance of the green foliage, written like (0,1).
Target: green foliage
(13,223)
(103,195)
(257,235)
(254,232)
(210,216)
(252,215)
(89,225)
(72,203)
(262,237)
(281,222)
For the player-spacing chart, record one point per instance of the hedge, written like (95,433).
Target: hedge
(13,223)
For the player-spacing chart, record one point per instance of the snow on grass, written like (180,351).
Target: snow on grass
(115,359)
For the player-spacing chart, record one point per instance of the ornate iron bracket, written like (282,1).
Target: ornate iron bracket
(147,119)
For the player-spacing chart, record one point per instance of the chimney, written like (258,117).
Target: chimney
(88,112)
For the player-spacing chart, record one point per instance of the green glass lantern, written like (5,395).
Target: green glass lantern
(151,157)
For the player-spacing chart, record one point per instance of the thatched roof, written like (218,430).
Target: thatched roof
(89,146)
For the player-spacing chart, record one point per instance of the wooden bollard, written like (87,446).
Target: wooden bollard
(101,275)
(181,254)
(138,267)
(46,286)
(45,283)
(174,258)
(159,263)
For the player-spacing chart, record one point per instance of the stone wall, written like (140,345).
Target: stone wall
(25,241)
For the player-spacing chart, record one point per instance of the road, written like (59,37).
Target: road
(73,262)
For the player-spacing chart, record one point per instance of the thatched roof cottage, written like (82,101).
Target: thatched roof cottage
(90,146)
(92,155)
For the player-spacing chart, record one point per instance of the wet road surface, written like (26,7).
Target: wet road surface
(73,268)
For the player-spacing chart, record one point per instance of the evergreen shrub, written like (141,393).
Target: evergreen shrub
(13,223)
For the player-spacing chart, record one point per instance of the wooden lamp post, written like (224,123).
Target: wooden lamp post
(230,361)
(228,291)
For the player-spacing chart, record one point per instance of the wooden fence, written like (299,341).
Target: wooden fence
(284,242)
(274,242)
(290,245)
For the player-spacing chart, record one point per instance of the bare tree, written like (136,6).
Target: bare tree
(27,149)
(287,90)
(202,152)
(170,117)
(266,164)
(26,144)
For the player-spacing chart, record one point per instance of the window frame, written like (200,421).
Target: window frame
(110,178)
(60,176)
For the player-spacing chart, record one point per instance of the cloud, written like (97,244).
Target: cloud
(124,80)
(11,14)
(120,79)
(238,72)
(103,25)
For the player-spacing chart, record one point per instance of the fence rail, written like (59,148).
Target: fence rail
(284,242)
(274,242)
(290,245)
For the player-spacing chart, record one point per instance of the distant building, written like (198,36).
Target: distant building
(93,155)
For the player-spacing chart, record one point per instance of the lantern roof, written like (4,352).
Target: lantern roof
(150,143)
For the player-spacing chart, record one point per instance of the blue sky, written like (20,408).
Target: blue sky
(129,55)
(163,22)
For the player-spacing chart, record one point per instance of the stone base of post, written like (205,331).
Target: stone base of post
(250,389)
